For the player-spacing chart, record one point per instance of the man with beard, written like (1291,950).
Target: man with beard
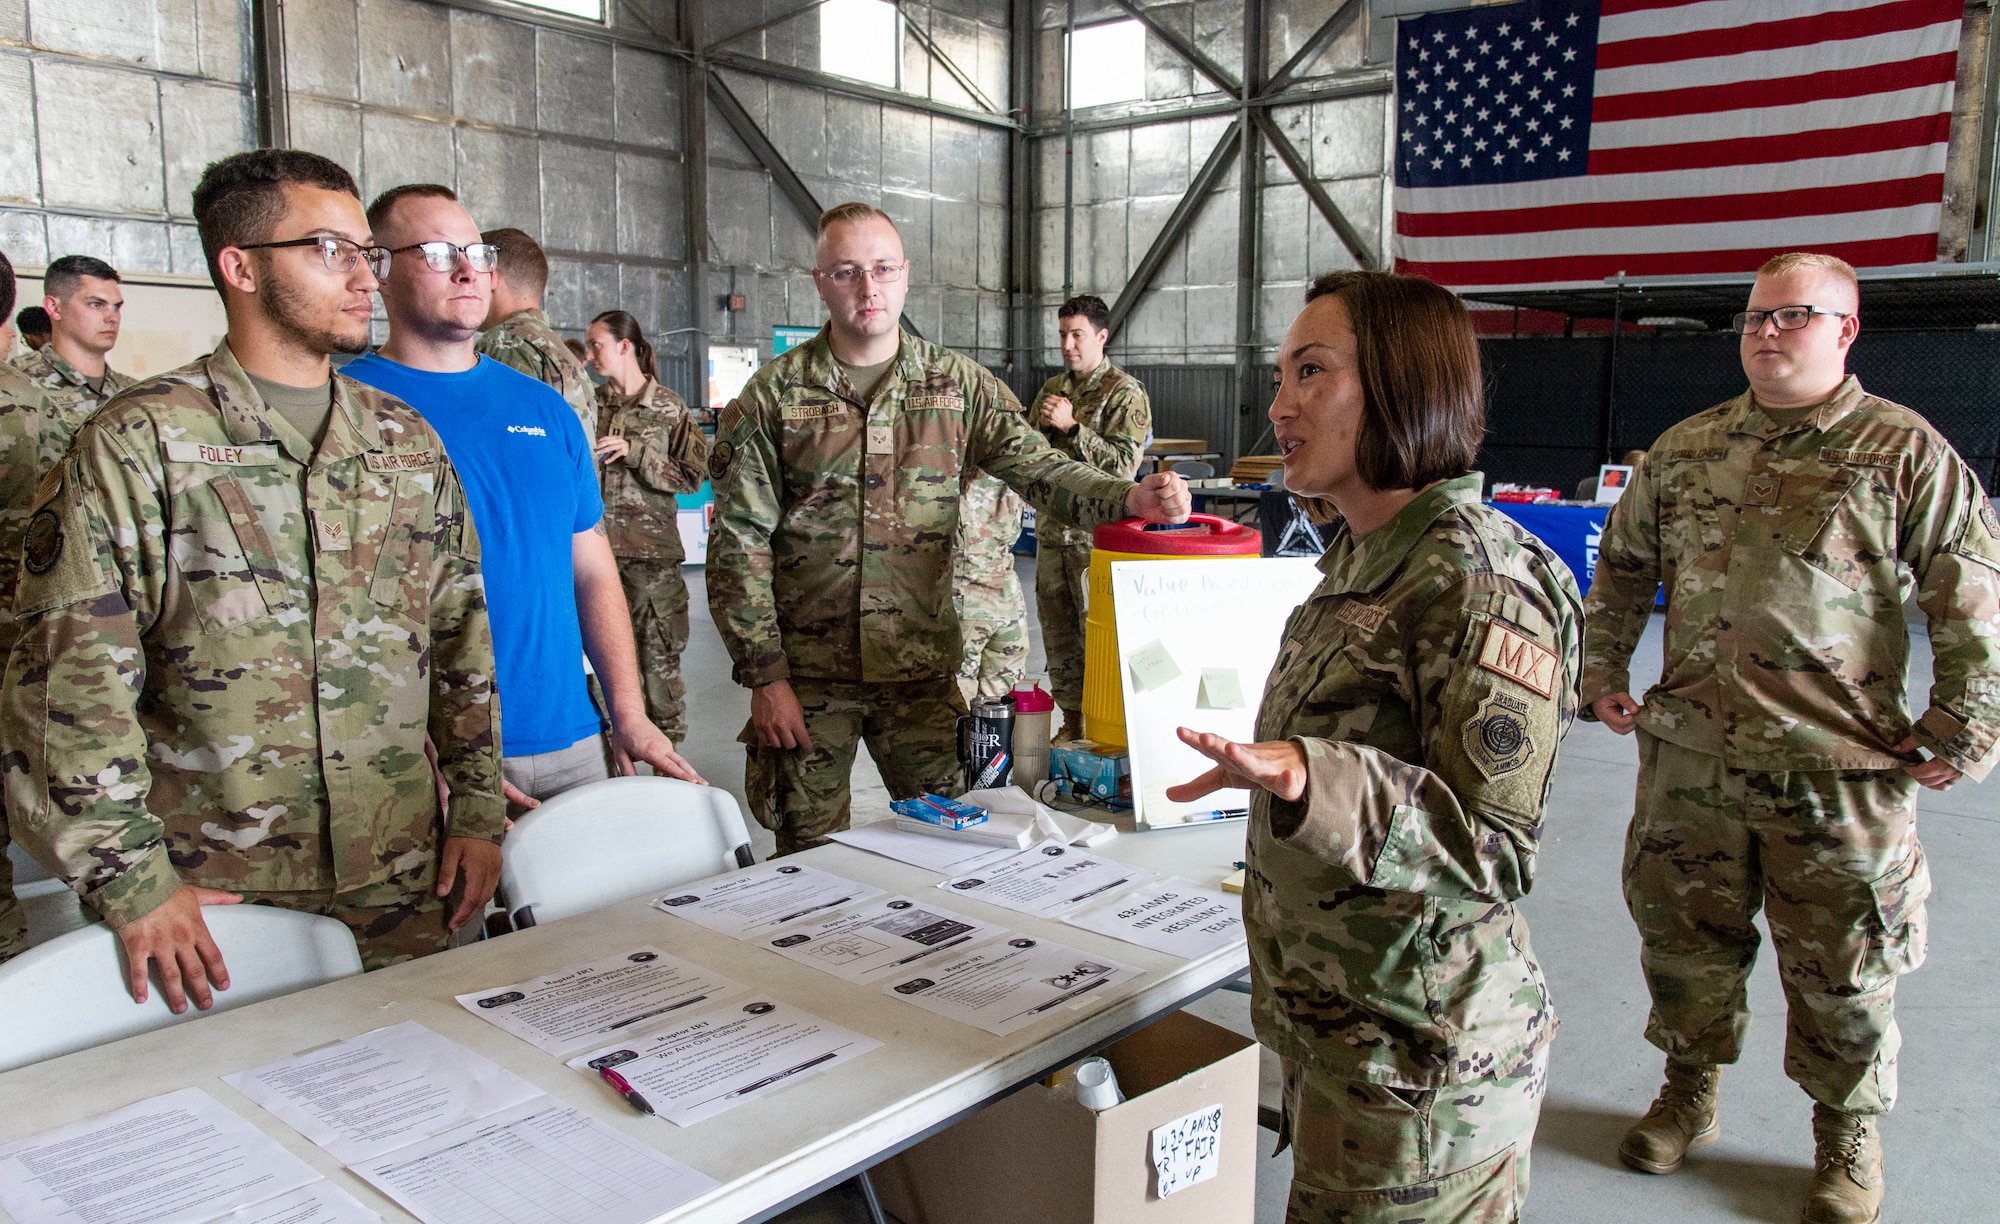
(248,593)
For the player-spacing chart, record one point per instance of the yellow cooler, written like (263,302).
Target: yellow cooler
(1204,537)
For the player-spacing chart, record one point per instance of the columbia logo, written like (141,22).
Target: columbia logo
(536,430)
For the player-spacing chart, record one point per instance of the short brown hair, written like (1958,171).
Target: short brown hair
(1423,401)
(522,264)
(1090,307)
(847,214)
(1832,265)
(384,204)
(241,198)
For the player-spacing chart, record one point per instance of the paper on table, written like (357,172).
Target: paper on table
(181,1158)
(374,1093)
(543,1161)
(558,1012)
(1175,916)
(725,1056)
(1008,984)
(876,938)
(320,1203)
(743,904)
(1047,880)
(939,854)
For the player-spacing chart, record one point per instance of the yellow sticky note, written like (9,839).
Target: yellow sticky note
(1221,689)
(1152,667)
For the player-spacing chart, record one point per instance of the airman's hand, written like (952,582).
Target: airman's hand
(1617,711)
(1278,766)
(1160,498)
(175,939)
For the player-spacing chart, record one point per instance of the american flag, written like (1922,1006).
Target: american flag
(1560,142)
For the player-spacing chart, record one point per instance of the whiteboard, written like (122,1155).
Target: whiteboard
(1196,640)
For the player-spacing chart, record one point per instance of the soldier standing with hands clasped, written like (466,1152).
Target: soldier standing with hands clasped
(1097,413)
(1409,732)
(1778,762)
(247,593)
(837,482)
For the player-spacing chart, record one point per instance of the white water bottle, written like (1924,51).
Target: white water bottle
(1032,710)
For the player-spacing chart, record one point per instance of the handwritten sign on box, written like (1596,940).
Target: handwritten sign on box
(1188,1149)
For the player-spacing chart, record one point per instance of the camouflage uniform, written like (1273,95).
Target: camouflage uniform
(524,341)
(1769,776)
(231,649)
(986,593)
(668,456)
(1113,421)
(74,400)
(831,560)
(1389,966)
(34,432)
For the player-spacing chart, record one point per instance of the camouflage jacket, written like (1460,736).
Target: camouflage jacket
(1782,549)
(524,341)
(835,516)
(1113,421)
(231,649)
(1428,679)
(989,522)
(34,433)
(669,455)
(74,399)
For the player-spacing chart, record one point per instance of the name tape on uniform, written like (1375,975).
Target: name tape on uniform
(255,455)
(401,461)
(1518,658)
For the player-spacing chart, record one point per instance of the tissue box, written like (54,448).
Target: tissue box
(1090,770)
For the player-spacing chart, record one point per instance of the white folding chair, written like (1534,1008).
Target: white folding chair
(49,905)
(615,839)
(69,993)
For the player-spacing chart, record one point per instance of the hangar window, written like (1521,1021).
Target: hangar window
(862,39)
(589,10)
(1107,63)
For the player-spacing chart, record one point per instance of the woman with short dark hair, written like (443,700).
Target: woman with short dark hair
(1408,734)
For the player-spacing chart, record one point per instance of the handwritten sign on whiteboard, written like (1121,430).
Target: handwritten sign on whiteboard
(1188,1149)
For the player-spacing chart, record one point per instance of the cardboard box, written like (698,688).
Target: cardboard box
(1090,770)
(1040,1156)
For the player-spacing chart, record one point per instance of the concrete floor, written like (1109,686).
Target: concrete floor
(1942,1144)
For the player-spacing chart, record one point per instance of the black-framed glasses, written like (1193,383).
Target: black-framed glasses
(339,254)
(443,256)
(1788,318)
(881,273)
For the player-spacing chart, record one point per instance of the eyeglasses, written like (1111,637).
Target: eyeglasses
(882,273)
(1788,318)
(339,254)
(443,256)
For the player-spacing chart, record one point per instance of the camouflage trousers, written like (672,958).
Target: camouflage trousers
(13,920)
(1832,858)
(993,626)
(911,730)
(399,919)
(657,595)
(1366,1154)
(1062,600)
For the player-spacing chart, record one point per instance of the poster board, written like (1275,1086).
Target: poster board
(1612,480)
(729,367)
(1196,640)
(784,339)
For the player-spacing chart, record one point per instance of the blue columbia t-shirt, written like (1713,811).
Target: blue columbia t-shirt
(532,485)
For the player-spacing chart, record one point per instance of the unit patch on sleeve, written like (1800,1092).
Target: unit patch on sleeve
(1509,653)
(719,456)
(1496,736)
(44,543)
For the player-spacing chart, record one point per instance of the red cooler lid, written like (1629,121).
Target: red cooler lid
(1203,535)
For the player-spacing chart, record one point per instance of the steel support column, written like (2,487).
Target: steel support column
(1020,190)
(1250,212)
(267,55)
(694,184)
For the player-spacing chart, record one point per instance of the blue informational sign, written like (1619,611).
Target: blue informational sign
(785,339)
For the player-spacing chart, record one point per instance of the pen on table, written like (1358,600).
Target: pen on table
(768,1080)
(1218,814)
(949,943)
(811,908)
(626,1090)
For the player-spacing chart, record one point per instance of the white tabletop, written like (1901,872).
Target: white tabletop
(766,1153)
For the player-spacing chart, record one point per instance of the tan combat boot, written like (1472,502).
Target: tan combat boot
(1685,1115)
(1847,1169)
